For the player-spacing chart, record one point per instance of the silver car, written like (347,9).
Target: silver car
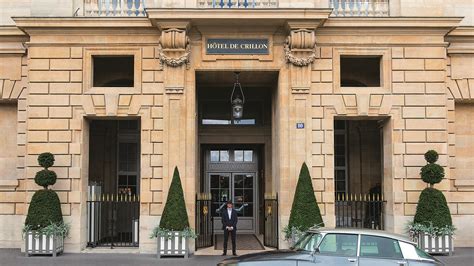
(342,247)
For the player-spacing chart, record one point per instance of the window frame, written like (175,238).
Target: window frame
(88,70)
(380,257)
(385,69)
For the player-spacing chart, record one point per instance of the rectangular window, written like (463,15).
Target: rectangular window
(360,71)
(113,71)
(8,141)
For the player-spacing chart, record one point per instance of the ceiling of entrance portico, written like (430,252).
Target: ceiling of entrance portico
(227,78)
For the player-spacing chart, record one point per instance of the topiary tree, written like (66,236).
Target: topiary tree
(432,208)
(45,207)
(175,217)
(305,211)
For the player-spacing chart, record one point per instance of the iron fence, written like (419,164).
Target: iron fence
(113,220)
(360,211)
(204,221)
(271,221)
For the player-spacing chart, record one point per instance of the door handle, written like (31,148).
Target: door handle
(352,260)
(401,263)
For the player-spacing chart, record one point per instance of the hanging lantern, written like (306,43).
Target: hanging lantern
(237,99)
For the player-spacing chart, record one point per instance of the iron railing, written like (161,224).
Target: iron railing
(113,220)
(360,8)
(360,211)
(114,8)
(204,221)
(237,3)
(271,221)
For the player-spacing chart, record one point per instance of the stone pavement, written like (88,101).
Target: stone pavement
(13,257)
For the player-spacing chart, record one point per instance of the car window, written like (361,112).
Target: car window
(308,242)
(339,245)
(380,247)
(410,251)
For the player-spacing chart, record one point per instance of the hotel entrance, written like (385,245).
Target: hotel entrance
(235,137)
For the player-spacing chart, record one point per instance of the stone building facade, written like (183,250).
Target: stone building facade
(424,100)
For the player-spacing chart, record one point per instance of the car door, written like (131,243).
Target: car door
(376,250)
(335,249)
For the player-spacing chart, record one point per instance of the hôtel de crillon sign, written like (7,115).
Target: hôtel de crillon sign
(237,46)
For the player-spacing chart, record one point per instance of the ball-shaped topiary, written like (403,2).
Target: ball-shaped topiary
(433,208)
(45,208)
(431,156)
(305,211)
(46,160)
(432,173)
(45,178)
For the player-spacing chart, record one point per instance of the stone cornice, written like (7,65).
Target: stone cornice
(11,40)
(238,17)
(461,40)
(30,24)
(393,22)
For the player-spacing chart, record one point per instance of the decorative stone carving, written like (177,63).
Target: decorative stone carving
(300,40)
(172,41)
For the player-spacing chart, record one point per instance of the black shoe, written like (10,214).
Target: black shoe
(234,254)
(224,254)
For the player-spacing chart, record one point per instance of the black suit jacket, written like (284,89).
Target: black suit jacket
(229,222)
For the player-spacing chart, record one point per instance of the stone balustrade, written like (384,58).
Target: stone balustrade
(237,3)
(112,8)
(359,8)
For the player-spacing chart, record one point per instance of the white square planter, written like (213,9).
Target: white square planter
(435,245)
(175,246)
(42,244)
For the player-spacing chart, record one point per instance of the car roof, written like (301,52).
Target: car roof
(370,232)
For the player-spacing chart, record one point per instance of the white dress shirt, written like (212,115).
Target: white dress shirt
(229,212)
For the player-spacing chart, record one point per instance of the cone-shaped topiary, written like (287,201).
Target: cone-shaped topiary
(305,210)
(432,208)
(45,207)
(175,217)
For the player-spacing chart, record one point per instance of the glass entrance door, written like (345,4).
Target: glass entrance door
(240,189)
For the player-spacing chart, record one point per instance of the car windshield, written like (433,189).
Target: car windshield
(308,242)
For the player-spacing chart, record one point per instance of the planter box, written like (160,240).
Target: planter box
(41,244)
(175,246)
(435,245)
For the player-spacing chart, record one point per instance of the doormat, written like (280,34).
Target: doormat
(243,242)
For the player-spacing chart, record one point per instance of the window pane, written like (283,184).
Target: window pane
(113,71)
(238,156)
(214,156)
(248,156)
(224,156)
(339,245)
(382,247)
(360,71)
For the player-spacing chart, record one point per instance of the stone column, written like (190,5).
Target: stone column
(174,51)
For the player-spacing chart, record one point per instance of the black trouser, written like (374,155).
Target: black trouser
(233,235)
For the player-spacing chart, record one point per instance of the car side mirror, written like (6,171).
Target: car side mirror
(316,250)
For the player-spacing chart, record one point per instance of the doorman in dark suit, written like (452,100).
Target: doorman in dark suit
(229,225)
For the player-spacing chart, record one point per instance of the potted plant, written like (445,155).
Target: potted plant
(432,227)
(173,233)
(305,211)
(44,229)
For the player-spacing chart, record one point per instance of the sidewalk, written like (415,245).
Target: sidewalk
(13,257)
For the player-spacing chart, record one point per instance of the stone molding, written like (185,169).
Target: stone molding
(174,40)
(8,185)
(300,40)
